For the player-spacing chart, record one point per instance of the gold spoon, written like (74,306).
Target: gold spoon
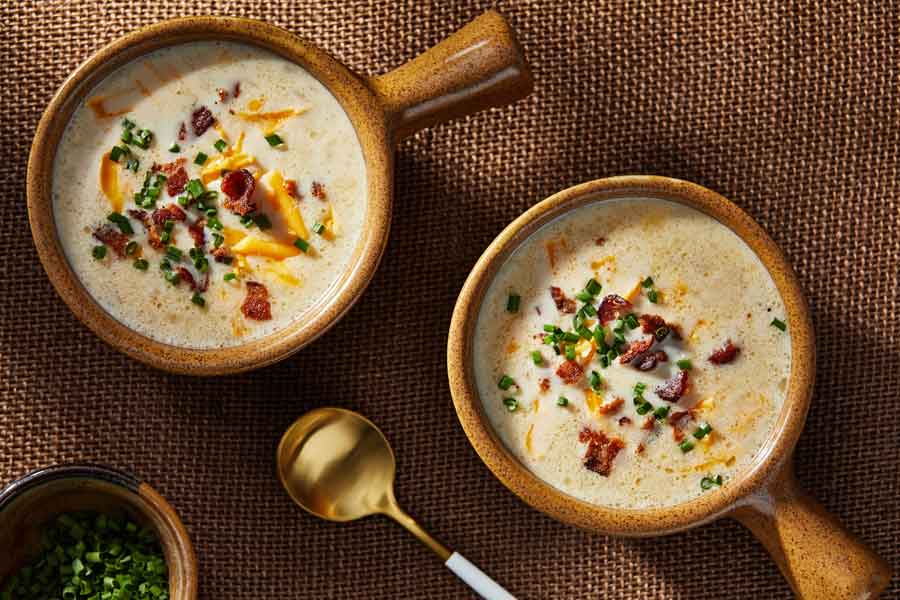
(337,465)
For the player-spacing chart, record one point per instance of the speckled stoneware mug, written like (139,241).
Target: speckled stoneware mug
(478,67)
(818,557)
(29,502)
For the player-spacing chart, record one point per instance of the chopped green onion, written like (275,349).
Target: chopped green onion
(593,287)
(562,401)
(229,276)
(639,388)
(549,340)
(131,247)
(550,328)
(133,164)
(686,446)
(702,431)
(165,265)
(708,482)
(218,240)
(584,296)
(685,364)
(648,282)
(183,200)
(537,358)
(302,244)
(174,253)
(201,159)
(595,380)
(128,123)
(140,264)
(604,361)
(585,332)
(194,188)
(99,252)
(214,223)
(511,404)
(570,352)
(611,355)
(652,296)
(247,221)
(220,145)
(174,147)
(631,321)
(512,302)
(589,310)
(127,137)
(505,382)
(121,222)
(262,221)
(198,299)
(644,408)
(778,323)
(571,337)
(661,412)
(274,139)
(172,277)
(117,152)
(618,326)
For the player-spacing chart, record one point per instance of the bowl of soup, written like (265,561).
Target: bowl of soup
(634,356)
(209,195)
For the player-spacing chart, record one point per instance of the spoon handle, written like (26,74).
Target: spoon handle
(486,587)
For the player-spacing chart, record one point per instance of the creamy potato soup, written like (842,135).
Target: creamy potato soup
(209,194)
(633,353)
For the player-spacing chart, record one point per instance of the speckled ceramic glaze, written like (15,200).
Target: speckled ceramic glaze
(31,501)
(478,67)
(819,558)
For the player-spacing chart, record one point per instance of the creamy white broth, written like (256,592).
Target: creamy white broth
(159,92)
(708,282)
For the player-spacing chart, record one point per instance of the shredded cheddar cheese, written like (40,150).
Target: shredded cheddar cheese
(232,158)
(254,246)
(284,203)
(109,182)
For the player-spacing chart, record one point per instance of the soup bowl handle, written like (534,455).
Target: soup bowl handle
(480,66)
(817,555)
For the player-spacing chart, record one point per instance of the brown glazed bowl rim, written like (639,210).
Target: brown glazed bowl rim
(180,551)
(631,522)
(366,115)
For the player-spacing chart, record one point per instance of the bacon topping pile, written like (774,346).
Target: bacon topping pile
(611,407)
(169,213)
(601,451)
(221,255)
(725,354)
(152,230)
(113,238)
(186,277)
(612,307)
(563,304)
(256,305)
(636,349)
(238,186)
(674,388)
(570,372)
(201,120)
(656,325)
(176,175)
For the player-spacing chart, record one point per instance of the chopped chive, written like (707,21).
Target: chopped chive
(505,382)
(648,282)
(611,355)
(618,326)
(174,147)
(165,265)
(302,244)
(133,164)
(595,380)
(131,247)
(708,482)
(584,296)
(562,401)
(183,201)
(174,253)
(116,153)
(571,337)
(644,408)
(262,221)
(549,340)
(165,236)
(220,145)
(121,222)
(194,188)
(604,361)
(172,277)
(599,334)
(652,296)
(702,431)
(550,328)
(537,358)
(570,352)
(778,323)
(585,332)
(198,299)
(684,364)
(218,240)
(318,228)
(274,139)
(631,321)
(229,276)
(128,123)
(661,412)
(201,159)
(593,287)
(140,264)
(589,310)
(686,446)
(99,252)
(512,302)
(214,223)
(556,349)
(578,319)
(639,388)
(211,212)
(127,137)
(247,221)
(511,404)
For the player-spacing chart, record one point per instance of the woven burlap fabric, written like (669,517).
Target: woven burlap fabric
(788,108)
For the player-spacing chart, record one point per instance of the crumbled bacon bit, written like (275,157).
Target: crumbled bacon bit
(186,277)
(674,388)
(636,349)
(656,325)
(201,120)
(544,384)
(290,188)
(223,94)
(600,241)
(611,307)
(611,407)
(196,231)
(648,423)
(623,421)
(238,186)
(113,238)
(661,356)
(176,175)
(601,451)
(256,305)
(675,421)
(169,213)
(639,449)
(725,354)
(237,89)
(221,254)
(645,362)
(570,372)
(677,434)
(563,304)
(182,132)
(318,190)
(153,234)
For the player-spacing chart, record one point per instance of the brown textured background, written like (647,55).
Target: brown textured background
(788,108)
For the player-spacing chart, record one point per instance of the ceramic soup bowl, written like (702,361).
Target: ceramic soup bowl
(30,502)
(478,67)
(818,557)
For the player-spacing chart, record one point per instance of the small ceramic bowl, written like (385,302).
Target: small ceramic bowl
(478,67)
(31,501)
(819,558)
